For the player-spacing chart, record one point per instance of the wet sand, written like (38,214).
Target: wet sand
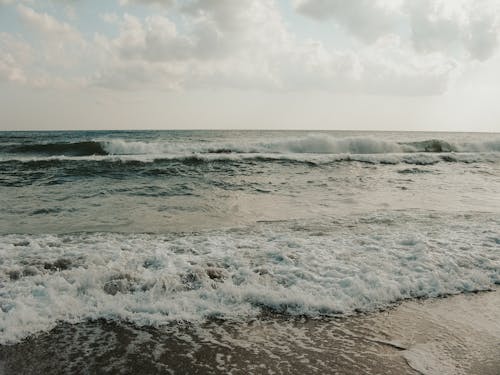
(454,335)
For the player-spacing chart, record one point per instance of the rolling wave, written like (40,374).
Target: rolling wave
(86,148)
(310,144)
(189,163)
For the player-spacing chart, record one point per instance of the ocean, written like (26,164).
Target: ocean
(152,242)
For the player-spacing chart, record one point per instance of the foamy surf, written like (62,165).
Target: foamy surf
(233,275)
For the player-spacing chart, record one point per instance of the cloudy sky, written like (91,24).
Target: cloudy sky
(257,64)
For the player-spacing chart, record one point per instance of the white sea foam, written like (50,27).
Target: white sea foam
(324,144)
(156,279)
(309,144)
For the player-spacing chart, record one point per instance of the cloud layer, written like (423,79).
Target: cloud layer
(398,47)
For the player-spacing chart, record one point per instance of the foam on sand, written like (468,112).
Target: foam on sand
(455,335)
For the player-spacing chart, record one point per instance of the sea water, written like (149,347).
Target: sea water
(156,228)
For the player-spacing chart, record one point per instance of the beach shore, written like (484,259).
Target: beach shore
(454,335)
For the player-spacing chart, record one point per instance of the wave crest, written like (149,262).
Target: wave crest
(432,145)
(321,144)
(310,144)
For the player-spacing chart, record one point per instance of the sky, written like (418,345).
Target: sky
(430,65)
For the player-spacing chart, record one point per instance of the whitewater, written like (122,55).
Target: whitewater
(167,228)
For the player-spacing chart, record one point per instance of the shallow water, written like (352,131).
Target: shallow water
(450,336)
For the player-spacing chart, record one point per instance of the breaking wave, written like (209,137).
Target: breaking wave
(310,144)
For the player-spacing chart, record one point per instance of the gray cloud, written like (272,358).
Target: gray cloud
(472,27)
(435,25)
(481,40)
(366,19)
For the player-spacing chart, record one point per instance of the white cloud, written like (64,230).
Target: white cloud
(247,44)
(222,40)
(55,55)
(48,25)
(14,55)
(155,39)
(164,3)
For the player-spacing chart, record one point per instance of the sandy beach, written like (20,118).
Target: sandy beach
(454,335)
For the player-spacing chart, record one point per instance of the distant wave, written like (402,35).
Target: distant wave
(321,144)
(432,145)
(310,144)
(436,145)
(86,148)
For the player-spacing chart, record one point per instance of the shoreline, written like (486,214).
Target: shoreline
(458,334)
